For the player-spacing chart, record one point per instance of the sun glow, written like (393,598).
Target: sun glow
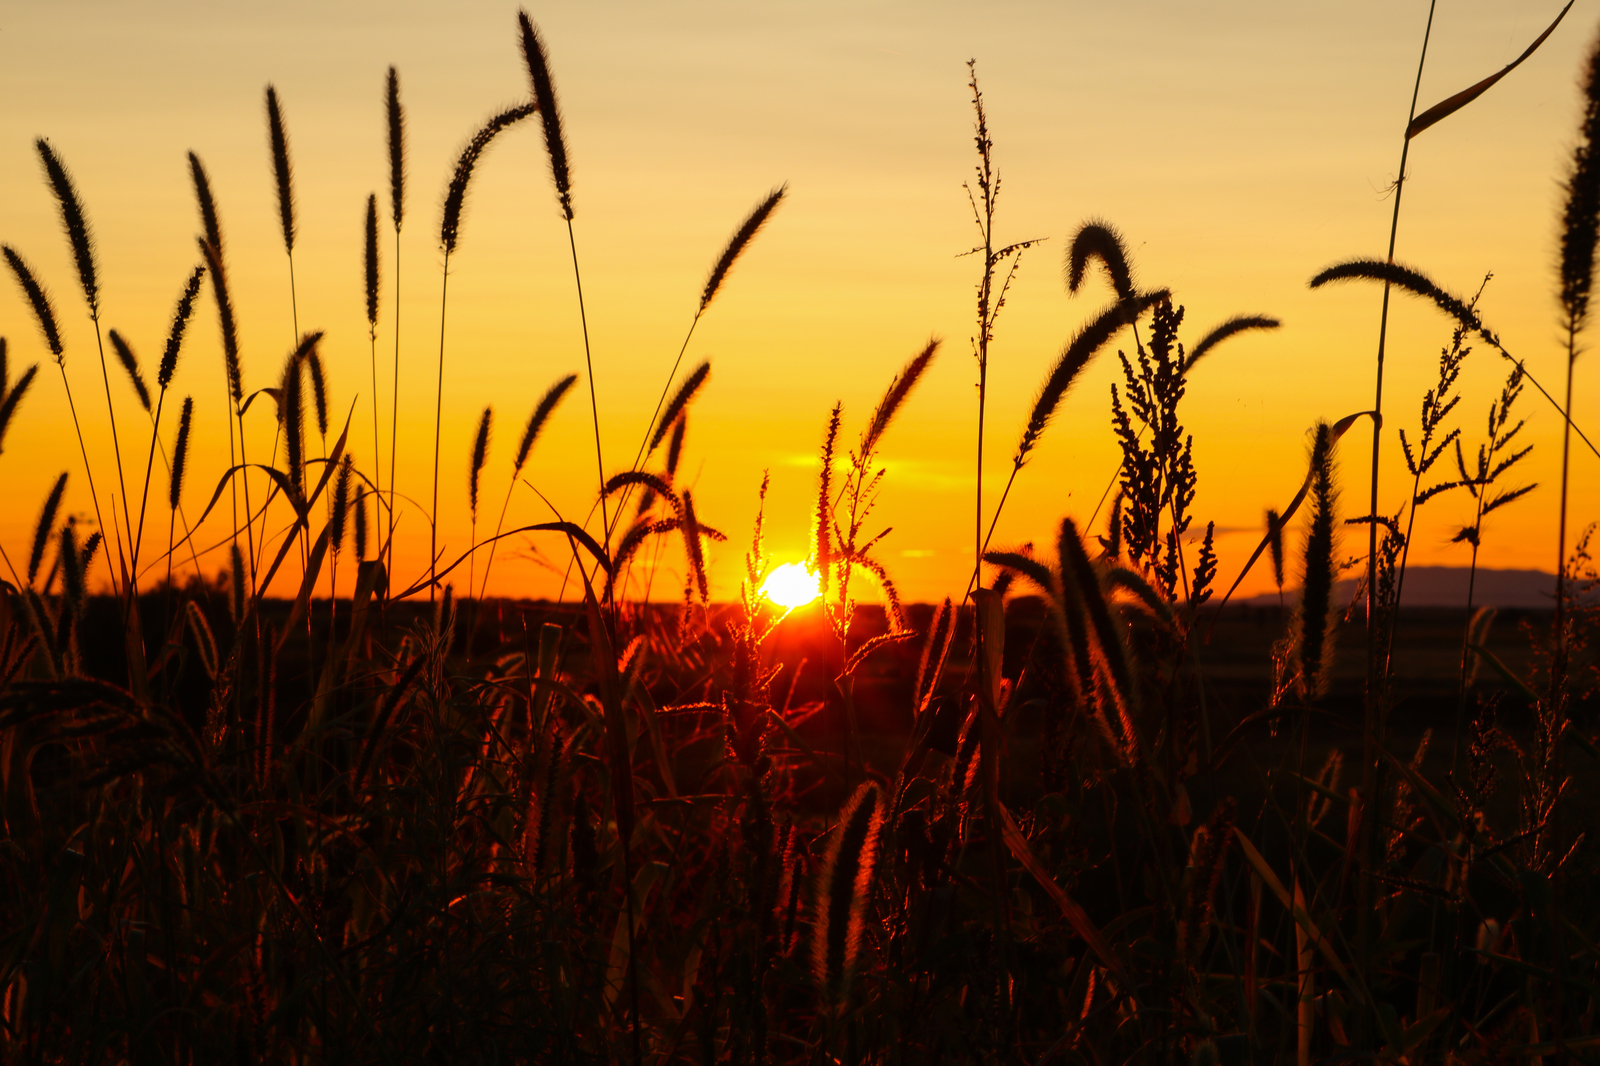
(791,585)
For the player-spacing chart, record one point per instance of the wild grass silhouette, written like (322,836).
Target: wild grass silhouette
(1042,824)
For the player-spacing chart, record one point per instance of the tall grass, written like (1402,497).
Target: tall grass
(1053,827)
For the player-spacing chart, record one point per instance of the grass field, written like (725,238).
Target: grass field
(1086,810)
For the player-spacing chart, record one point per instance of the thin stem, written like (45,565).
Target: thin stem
(1373,711)
(1558,665)
(87,469)
(394,414)
(438,413)
(638,459)
(594,406)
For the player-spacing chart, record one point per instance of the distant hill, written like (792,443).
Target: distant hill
(1446,586)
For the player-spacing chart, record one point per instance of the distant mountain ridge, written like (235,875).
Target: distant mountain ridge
(1446,586)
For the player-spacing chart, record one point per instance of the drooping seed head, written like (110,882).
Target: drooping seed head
(1234,326)
(8,406)
(456,195)
(1098,239)
(130,363)
(38,299)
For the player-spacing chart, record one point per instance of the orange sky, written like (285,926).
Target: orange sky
(1239,146)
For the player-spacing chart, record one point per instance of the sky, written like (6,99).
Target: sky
(1239,147)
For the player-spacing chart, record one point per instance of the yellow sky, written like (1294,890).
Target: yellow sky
(1239,146)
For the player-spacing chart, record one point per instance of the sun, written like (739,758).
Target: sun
(791,585)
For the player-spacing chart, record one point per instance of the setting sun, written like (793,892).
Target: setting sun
(791,585)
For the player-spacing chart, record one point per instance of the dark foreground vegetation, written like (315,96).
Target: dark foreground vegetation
(1085,813)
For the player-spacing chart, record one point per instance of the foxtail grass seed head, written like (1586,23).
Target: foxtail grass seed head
(13,397)
(130,363)
(396,121)
(1580,224)
(1098,239)
(236,584)
(282,172)
(1074,357)
(208,205)
(541,414)
(480,455)
(844,886)
(456,195)
(1316,597)
(339,512)
(822,517)
(72,584)
(291,409)
(675,445)
(899,388)
(544,95)
(1407,279)
(319,388)
(75,222)
(679,402)
(47,522)
(1231,328)
(691,542)
(369,261)
(358,512)
(1275,545)
(38,299)
(225,320)
(180,322)
(180,453)
(738,242)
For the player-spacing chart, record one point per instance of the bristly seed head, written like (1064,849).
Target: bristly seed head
(180,322)
(1098,239)
(130,363)
(736,245)
(281,170)
(43,313)
(679,402)
(180,452)
(1581,219)
(544,95)
(369,260)
(77,225)
(480,455)
(541,413)
(456,194)
(397,147)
